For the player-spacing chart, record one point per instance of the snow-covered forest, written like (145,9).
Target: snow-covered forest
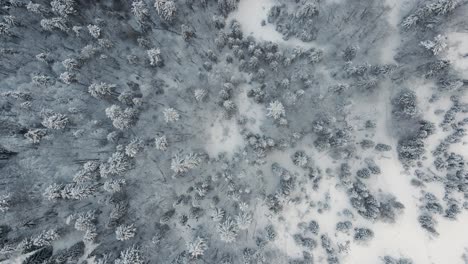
(233,131)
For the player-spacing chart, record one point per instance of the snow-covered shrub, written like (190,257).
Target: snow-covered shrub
(117,164)
(229,107)
(166,9)
(200,94)
(5,202)
(86,221)
(427,222)
(363,201)
(383,147)
(41,80)
(5,29)
(307,11)
(63,8)
(114,186)
(45,238)
(243,220)
(50,24)
(67,77)
(94,31)
(306,242)
(410,149)
(161,143)
(390,208)
(54,120)
(391,260)
(114,136)
(436,46)
(143,42)
(53,192)
(71,64)
(363,234)
(167,216)
(35,8)
(315,55)
(313,227)
(218,21)
(217,214)
(37,256)
(405,105)
(125,232)
(77,30)
(76,191)
(171,115)
(410,21)
(187,32)
(243,206)
(350,53)
(363,173)
(155,58)
(35,135)
(90,171)
(226,6)
(300,158)
(104,43)
(367,144)
(344,226)
(221,40)
(43,57)
(326,243)
(270,232)
(131,255)
(429,12)
(140,11)
(10,20)
(119,210)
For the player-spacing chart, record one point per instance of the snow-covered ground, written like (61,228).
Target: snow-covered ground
(457,52)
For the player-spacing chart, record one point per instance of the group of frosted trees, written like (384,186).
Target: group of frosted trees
(261,60)
(429,11)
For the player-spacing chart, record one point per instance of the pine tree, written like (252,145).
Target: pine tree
(228,230)
(101,90)
(197,247)
(130,255)
(276,110)
(125,232)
